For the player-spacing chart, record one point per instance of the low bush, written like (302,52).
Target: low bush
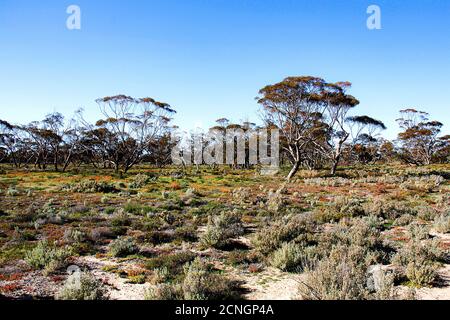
(120,219)
(12,192)
(159,237)
(160,275)
(72,235)
(421,273)
(344,276)
(389,210)
(298,228)
(241,195)
(173,263)
(47,257)
(90,186)
(418,231)
(242,257)
(404,220)
(419,261)
(221,229)
(426,213)
(81,286)
(328,182)
(361,233)
(137,209)
(341,207)
(200,283)
(275,201)
(123,247)
(424,183)
(164,292)
(140,181)
(292,257)
(442,223)
(186,233)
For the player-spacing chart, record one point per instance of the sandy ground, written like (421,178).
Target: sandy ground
(118,288)
(272,284)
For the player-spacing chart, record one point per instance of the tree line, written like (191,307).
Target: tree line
(312,116)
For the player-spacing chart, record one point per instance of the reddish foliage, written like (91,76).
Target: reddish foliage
(10,288)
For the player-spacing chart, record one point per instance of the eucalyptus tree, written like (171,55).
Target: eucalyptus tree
(131,126)
(366,143)
(419,139)
(292,106)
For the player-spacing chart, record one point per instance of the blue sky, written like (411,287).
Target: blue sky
(209,58)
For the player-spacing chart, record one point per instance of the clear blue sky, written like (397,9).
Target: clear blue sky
(209,58)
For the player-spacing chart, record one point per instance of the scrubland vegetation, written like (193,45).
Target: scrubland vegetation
(371,232)
(349,215)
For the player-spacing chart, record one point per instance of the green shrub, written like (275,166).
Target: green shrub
(343,275)
(361,233)
(419,251)
(123,247)
(72,235)
(159,237)
(275,201)
(200,283)
(173,262)
(120,219)
(292,257)
(186,233)
(221,229)
(389,210)
(137,209)
(47,257)
(105,199)
(426,213)
(140,181)
(12,192)
(137,279)
(442,223)
(424,184)
(419,260)
(297,228)
(404,220)
(81,286)
(349,206)
(164,292)
(418,231)
(90,186)
(160,275)
(421,273)
(242,257)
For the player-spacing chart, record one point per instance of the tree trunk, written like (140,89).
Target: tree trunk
(293,170)
(335,166)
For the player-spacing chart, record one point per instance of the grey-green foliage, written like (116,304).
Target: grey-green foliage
(164,292)
(296,228)
(343,275)
(420,261)
(139,181)
(200,283)
(81,286)
(47,257)
(442,223)
(123,247)
(221,229)
(292,257)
